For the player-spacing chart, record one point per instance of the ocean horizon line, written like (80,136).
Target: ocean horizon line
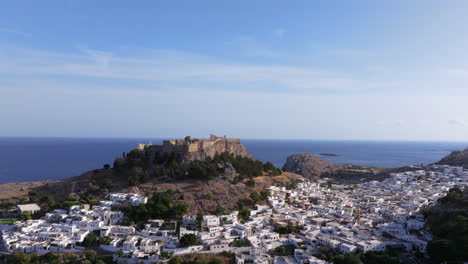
(242,138)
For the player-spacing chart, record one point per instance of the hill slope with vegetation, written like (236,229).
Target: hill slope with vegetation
(448,222)
(215,185)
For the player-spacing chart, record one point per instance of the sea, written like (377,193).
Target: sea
(39,159)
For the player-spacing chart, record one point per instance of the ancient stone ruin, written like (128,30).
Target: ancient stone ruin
(189,149)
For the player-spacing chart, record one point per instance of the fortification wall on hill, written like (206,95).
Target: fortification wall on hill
(198,149)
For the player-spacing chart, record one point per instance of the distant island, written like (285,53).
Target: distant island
(329,154)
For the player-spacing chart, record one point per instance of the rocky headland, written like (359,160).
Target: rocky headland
(313,167)
(456,158)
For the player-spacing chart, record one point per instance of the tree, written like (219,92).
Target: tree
(264,194)
(347,259)
(20,257)
(374,257)
(72,258)
(106,183)
(105,240)
(221,210)
(255,197)
(199,220)
(133,180)
(216,261)
(24,200)
(244,213)
(50,258)
(91,255)
(175,260)
(178,210)
(188,240)
(440,249)
(25,216)
(90,241)
(106,166)
(240,243)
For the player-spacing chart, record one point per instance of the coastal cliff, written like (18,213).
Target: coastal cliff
(313,167)
(456,158)
(308,165)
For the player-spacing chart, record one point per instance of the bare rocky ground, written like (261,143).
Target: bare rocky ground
(200,196)
(19,189)
(206,196)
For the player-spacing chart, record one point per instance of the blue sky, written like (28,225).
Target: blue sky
(375,70)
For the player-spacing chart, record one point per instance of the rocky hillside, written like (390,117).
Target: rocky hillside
(308,165)
(201,196)
(456,158)
(223,182)
(313,167)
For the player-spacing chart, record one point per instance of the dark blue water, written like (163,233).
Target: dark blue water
(34,159)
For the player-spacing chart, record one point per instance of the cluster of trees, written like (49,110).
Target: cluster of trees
(283,250)
(202,170)
(211,167)
(371,257)
(138,167)
(181,260)
(286,229)
(188,240)
(89,257)
(448,222)
(19,257)
(246,167)
(159,206)
(178,260)
(262,196)
(240,243)
(48,202)
(91,241)
(292,184)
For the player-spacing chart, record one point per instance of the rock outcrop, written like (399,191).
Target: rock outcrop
(313,167)
(228,172)
(308,165)
(456,158)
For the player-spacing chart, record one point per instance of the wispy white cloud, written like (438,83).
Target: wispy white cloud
(101,58)
(14,31)
(173,68)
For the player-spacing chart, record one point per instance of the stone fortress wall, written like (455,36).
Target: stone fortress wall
(189,149)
